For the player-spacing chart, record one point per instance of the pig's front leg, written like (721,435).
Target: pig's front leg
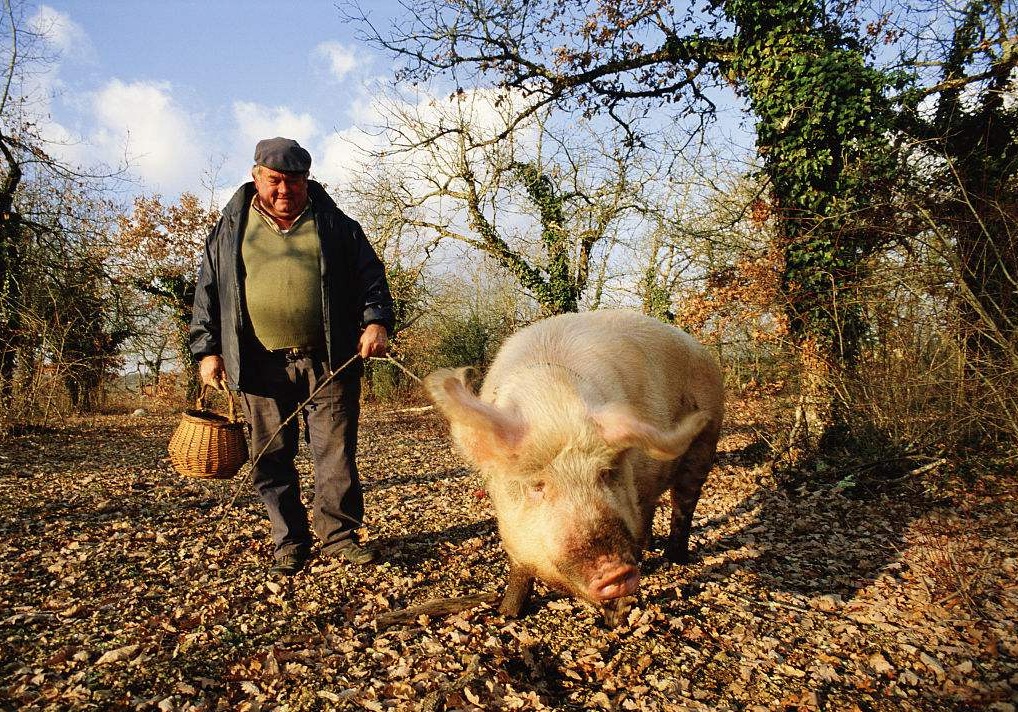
(684,499)
(677,548)
(690,473)
(517,591)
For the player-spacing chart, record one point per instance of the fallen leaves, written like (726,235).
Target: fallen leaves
(117,596)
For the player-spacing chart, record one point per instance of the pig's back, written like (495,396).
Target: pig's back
(613,356)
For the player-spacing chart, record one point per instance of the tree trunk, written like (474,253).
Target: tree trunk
(188,369)
(10,235)
(816,414)
(977,139)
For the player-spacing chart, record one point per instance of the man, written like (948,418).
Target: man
(289,290)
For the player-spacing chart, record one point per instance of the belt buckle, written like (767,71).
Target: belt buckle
(292,353)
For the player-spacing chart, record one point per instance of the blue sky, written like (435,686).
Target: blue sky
(176,84)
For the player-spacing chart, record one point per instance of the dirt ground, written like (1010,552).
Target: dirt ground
(116,594)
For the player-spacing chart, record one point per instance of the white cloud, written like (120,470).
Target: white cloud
(340,59)
(343,155)
(255,122)
(65,146)
(62,33)
(140,122)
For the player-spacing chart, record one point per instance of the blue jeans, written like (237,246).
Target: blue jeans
(330,419)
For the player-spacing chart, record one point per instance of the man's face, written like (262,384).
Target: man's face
(283,195)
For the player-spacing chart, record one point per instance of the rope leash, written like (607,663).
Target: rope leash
(300,407)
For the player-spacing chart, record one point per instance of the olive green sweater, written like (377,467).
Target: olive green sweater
(283,281)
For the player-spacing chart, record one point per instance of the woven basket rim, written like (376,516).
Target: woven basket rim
(210,418)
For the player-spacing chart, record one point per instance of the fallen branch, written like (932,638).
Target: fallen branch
(434,607)
(926,468)
(421,409)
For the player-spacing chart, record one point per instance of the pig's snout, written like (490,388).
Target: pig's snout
(614,580)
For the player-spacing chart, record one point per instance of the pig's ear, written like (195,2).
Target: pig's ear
(621,428)
(486,435)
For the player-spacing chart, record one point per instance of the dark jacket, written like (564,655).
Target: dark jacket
(354,290)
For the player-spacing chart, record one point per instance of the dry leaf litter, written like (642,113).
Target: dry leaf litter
(115,595)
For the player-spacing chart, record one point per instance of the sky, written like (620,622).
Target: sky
(177,87)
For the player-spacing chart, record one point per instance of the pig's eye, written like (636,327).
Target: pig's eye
(536,490)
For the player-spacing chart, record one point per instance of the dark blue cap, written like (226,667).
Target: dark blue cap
(282,154)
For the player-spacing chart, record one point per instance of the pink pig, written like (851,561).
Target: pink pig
(583,422)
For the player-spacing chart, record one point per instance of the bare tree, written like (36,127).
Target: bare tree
(966,149)
(537,203)
(52,216)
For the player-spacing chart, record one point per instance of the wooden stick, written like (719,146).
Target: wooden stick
(434,607)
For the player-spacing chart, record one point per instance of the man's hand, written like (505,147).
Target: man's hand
(212,371)
(374,341)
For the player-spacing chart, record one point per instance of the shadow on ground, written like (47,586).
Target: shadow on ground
(815,540)
(413,548)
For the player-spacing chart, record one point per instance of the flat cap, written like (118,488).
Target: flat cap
(282,154)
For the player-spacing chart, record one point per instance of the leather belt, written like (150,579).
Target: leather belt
(296,353)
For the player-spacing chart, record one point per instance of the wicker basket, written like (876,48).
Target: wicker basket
(207,444)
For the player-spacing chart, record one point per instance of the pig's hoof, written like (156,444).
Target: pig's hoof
(511,609)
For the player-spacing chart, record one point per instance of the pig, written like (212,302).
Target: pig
(582,423)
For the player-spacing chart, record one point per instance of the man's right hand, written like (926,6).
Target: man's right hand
(212,371)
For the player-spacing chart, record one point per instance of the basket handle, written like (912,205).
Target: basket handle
(200,403)
(232,414)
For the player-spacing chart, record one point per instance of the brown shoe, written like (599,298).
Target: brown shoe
(354,553)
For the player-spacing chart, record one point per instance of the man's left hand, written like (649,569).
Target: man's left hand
(374,341)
